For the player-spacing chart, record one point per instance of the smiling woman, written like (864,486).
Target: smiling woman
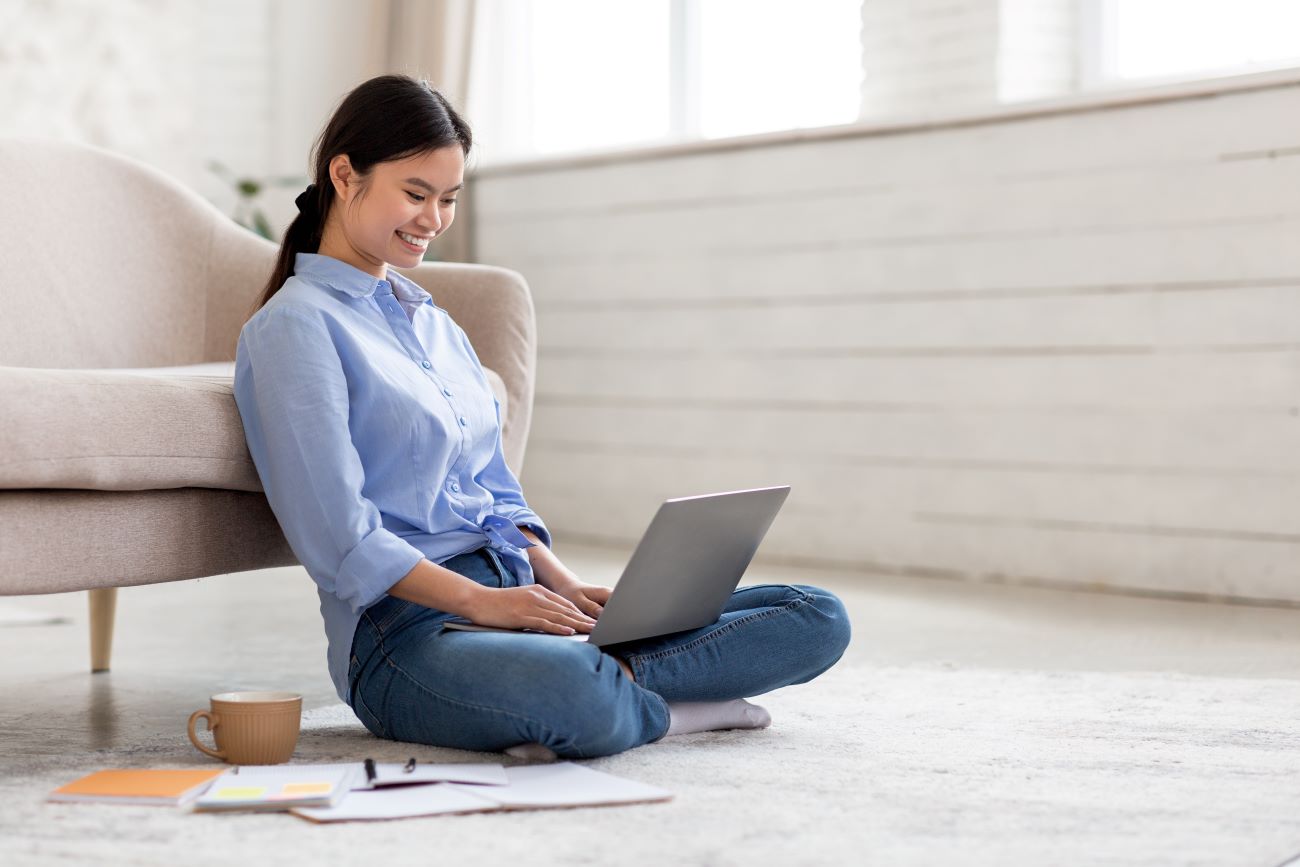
(377,440)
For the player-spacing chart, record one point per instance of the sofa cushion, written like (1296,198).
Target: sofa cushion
(128,429)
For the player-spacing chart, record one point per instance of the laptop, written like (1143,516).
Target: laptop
(683,570)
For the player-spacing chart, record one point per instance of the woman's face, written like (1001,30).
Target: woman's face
(415,197)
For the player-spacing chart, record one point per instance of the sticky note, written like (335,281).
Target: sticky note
(240,792)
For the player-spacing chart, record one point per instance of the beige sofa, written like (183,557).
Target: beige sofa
(122,455)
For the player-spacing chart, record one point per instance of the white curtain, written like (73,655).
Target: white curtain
(431,39)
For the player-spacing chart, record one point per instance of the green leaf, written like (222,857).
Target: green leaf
(262,226)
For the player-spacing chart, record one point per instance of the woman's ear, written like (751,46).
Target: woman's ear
(341,176)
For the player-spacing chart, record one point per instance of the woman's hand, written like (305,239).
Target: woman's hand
(590,599)
(530,606)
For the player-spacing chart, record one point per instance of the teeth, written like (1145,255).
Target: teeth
(411,239)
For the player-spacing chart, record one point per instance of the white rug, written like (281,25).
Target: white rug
(930,765)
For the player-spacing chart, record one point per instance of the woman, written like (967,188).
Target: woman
(377,439)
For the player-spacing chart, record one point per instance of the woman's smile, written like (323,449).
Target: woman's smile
(415,243)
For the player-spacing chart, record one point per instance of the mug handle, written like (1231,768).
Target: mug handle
(213,721)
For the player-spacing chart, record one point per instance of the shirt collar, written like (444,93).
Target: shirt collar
(350,280)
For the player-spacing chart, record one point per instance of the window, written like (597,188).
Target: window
(1127,41)
(590,74)
(773,64)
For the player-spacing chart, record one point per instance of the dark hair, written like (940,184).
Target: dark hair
(390,117)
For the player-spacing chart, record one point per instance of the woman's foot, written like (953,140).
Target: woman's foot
(532,752)
(686,717)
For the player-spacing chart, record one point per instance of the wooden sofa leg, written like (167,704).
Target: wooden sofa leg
(103,605)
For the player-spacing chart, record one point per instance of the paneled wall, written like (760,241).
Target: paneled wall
(1055,345)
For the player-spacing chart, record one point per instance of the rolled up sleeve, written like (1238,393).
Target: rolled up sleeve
(292,396)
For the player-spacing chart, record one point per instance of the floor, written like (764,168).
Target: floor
(178,643)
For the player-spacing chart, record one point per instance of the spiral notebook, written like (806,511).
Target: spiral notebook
(279,787)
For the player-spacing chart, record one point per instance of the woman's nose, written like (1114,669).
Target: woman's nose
(432,219)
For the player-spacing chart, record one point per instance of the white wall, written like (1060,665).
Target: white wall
(1056,346)
(181,82)
(118,75)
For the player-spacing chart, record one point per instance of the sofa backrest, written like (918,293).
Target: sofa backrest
(107,262)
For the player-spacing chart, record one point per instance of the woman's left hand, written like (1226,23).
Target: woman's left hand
(590,598)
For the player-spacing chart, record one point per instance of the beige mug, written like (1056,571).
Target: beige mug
(251,728)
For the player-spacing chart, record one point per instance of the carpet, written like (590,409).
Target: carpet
(897,765)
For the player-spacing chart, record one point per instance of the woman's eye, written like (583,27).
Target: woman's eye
(449,201)
(415,197)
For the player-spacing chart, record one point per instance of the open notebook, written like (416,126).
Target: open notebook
(528,787)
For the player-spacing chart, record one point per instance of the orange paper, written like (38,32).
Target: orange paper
(156,786)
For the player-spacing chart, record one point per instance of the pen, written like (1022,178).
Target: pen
(370,770)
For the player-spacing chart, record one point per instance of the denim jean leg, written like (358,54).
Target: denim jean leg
(768,636)
(489,691)
(424,684)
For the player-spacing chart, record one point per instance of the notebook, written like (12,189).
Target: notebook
(560,784)
(278,787)
(172,788)
(395,774)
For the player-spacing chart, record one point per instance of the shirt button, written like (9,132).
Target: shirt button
(425,365)
(455,487)
(463,421)
(447,391)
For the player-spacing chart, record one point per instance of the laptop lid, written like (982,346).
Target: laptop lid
(687,564)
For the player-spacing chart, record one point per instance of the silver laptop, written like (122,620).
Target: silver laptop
(683,570)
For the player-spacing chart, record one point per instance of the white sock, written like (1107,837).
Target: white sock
(686,717)
(532,752)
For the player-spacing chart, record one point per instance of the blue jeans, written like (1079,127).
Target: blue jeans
(410,679)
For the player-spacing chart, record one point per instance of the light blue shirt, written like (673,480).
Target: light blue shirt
(376,436)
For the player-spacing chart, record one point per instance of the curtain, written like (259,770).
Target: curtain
(431,39)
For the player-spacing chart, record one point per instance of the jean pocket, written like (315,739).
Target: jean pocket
(387,611)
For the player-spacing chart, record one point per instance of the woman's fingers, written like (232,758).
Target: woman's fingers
(549,608)
(566,606)
(590,608)
(541,623)
(571,617)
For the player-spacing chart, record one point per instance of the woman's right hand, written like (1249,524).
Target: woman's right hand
(530,606)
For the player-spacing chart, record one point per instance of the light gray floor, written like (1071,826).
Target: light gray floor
(178,643)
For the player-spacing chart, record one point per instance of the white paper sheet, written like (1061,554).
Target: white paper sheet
(560,784)
(565,784)
(397,802)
